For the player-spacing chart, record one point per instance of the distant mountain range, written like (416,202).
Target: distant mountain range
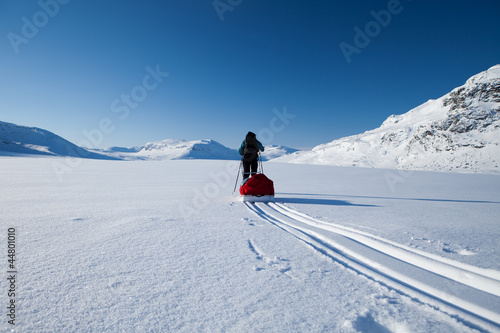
(181,149)
(22,140)
(458,132)
(172,149)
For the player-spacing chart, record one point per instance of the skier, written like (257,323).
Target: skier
(249,151)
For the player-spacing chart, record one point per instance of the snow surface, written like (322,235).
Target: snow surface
(163,246)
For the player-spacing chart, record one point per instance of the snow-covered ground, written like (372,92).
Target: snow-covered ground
(161,246)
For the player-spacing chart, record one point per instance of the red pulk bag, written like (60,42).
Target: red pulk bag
(258,185)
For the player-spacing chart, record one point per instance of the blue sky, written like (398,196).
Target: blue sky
(123,73)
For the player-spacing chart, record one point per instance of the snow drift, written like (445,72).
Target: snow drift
(458,132)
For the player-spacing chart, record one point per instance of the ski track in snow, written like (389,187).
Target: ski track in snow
(467,293)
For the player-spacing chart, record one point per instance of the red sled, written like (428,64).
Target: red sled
(258,188)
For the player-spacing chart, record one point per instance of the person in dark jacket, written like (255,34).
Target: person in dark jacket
(249,150)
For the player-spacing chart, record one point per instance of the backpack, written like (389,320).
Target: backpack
(251,148)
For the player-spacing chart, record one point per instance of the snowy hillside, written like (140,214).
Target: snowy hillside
(275,151)
(457,132)
(173,149)
(181,149)
(15,140)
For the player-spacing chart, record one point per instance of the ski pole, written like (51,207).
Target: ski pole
(238,176)
(261,164)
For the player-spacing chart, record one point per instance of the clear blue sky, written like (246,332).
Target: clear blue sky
(72,66)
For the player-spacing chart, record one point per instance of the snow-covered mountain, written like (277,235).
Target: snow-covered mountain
(181,149)
(173,149)
(22,140)
(275,151)
(16,139)
(458,132)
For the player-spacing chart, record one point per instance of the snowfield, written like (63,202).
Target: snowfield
(164,246)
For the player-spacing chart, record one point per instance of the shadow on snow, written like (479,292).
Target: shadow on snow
(346,203)
(312,201)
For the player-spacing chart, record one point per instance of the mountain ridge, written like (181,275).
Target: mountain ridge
(23,140)
(18,140)
(195,149)
(459,131)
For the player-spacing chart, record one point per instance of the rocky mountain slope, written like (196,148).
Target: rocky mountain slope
(457,132)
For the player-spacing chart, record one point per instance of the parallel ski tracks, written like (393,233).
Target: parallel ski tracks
(466,292)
